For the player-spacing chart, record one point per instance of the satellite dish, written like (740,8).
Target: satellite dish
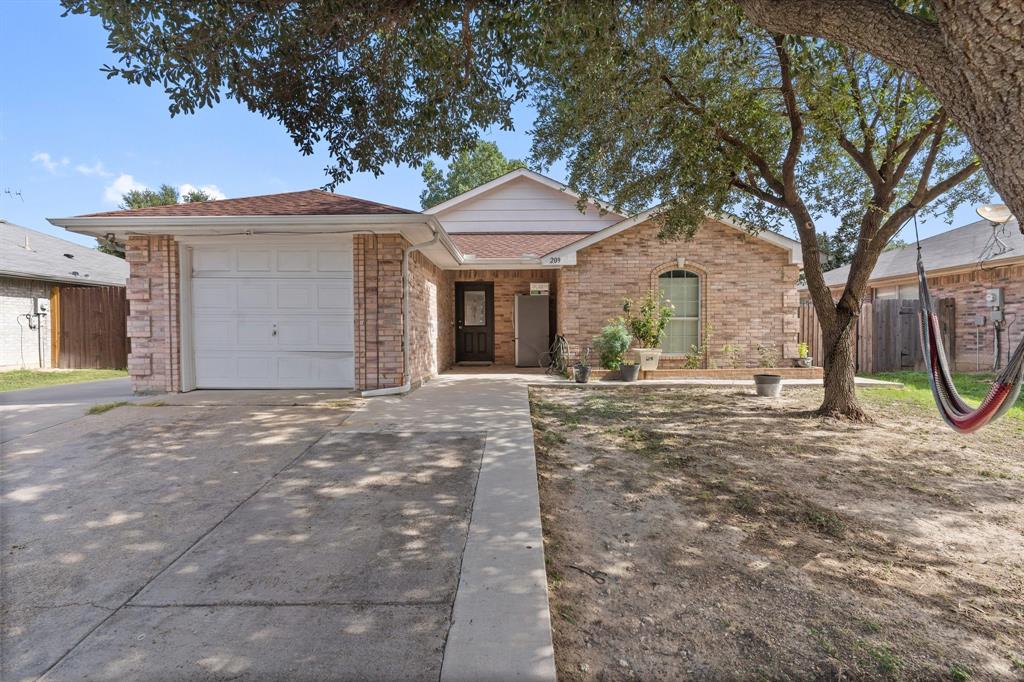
(995,213)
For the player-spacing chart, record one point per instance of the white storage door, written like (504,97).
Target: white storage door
(273,315)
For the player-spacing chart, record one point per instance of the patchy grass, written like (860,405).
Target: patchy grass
(102,408)
(742,538)
(17,379)
(973,388)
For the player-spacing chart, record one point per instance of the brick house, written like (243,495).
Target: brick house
(964,264)
(34,269)
(310,289)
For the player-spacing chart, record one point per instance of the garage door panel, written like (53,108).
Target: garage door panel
(255,295)
(212,260)
(334,260)
(273,316)
(274,369)
(213,294)
(334,295)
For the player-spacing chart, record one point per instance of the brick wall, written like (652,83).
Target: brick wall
(19,345)
(974,345)
(377,275)
(748,287)
(508,283)
(154,363)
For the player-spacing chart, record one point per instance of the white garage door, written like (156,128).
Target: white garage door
(273,315)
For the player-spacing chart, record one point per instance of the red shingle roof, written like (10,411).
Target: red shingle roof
(513,244)
(306,202)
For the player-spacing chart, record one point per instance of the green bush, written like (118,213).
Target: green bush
(612,343)
(648,327)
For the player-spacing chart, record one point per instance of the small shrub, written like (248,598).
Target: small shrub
(769,355)
(612,343)
(648,325)
(731,355)
(802,350)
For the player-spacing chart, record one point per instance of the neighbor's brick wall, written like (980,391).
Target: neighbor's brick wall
(508,283)
(19,345)
(748,287)
(377,275)
(968,289)
(154,324)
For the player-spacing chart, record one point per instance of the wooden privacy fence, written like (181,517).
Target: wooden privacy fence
(887,337)
(90,328)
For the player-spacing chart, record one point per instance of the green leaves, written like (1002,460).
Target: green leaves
(467,170)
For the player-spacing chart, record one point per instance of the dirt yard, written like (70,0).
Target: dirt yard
(710,534)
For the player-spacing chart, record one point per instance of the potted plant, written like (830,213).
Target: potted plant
(647,322)
(629,371)
(612,344)
(803,352)
(768,385)
(581,369)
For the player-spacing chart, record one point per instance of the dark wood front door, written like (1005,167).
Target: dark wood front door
(474,322)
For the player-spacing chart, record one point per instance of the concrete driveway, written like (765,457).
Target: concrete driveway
(232,535)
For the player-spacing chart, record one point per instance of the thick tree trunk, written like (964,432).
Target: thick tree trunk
(972,58)
(840,368)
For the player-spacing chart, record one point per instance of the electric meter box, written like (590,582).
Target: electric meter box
(42,306)
(994,298)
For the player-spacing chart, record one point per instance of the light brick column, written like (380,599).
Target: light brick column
(154,323)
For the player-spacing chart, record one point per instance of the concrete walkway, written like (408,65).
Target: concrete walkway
(500,622)
(32,410)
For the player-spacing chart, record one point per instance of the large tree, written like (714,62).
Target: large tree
(970,53)
(678,102)
(470,168)
(704,112)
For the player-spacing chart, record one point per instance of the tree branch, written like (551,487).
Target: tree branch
(757,192)
(878,27)
(721,133)
(796,123)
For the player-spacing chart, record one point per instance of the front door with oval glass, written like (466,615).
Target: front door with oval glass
(474,322)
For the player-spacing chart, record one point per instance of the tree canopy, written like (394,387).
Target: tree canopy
(467,170)
(162,196)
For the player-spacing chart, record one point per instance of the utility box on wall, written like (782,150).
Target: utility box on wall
(994,298)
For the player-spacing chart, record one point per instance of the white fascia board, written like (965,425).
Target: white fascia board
(503,264)
(567,254)
(509,177)
(405,224)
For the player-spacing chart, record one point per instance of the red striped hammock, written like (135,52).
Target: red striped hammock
(957,414)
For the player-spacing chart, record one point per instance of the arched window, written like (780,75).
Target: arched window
(682,288)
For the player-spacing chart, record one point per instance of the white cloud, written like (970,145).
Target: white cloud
(95,169)
(48,162)
(121,185)
(211,191)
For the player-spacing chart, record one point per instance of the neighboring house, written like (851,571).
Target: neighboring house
(34,267)
(306,289)
(964,264)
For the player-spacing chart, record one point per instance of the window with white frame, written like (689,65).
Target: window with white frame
(682,288)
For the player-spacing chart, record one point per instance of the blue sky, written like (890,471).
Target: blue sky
(72,141)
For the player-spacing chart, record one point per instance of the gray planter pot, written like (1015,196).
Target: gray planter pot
(768,385)
(582,374)
(629,372)
(804,362)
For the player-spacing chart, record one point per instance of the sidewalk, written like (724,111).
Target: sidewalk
(500,622)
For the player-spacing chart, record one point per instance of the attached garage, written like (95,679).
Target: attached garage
(272,313)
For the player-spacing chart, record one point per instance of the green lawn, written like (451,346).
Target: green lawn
(31,378)
(973,388)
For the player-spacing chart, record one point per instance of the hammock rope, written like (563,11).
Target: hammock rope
(958,414)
